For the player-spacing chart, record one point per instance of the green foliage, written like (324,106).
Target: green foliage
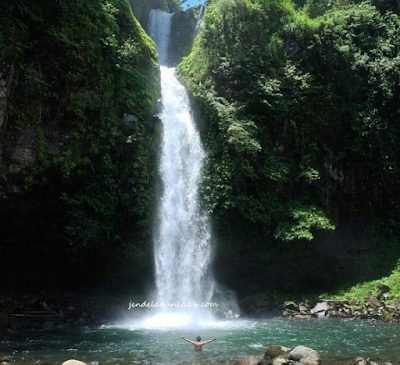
(315,8)
(274,299)
(304,218)
(82,68)
(299,112)
(370,288)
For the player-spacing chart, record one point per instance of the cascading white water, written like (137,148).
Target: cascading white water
(182,241)
(199,20)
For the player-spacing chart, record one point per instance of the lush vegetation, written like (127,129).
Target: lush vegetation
(370,288)
(83,85)
(298,107)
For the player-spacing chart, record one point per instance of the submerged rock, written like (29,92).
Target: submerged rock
(247,360)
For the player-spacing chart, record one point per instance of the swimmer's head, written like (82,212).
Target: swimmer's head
(198,338)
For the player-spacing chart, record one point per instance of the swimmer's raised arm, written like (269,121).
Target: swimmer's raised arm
(184,338)
(215,338)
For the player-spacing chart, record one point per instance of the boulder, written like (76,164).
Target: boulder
(247,360)
(275,351)
(73,362)
(4,360)
(291,306)
(322,315)
(383,289)
(280,360)
(320,307)
(360,361)
(303,308)
(302,316)
(300,355)
(305,356)
(374,302)
(288,313)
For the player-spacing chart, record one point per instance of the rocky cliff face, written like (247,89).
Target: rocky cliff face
(78,83)
(142,8)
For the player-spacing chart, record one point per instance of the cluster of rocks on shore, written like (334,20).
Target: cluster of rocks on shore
(376,307)
(274,355)
(68,309)
(370,308)
(300,355)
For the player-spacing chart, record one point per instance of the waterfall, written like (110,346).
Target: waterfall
(182,240)
(199,21)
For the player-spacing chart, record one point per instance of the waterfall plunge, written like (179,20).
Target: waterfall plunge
(182,240)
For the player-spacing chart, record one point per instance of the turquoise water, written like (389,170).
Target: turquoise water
(336,340)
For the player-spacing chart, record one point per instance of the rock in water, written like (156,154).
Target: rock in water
(248,360)
(73,362)
(305,356)
(275,351)
(4,360)
(362,361)
(300,355)
(280,361)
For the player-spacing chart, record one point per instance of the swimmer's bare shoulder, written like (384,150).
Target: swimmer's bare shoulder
(198,345)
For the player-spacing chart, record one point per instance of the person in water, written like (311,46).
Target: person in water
(198,345)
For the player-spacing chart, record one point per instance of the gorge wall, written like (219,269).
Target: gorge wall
(297,105)
(299,115)
(78,87)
